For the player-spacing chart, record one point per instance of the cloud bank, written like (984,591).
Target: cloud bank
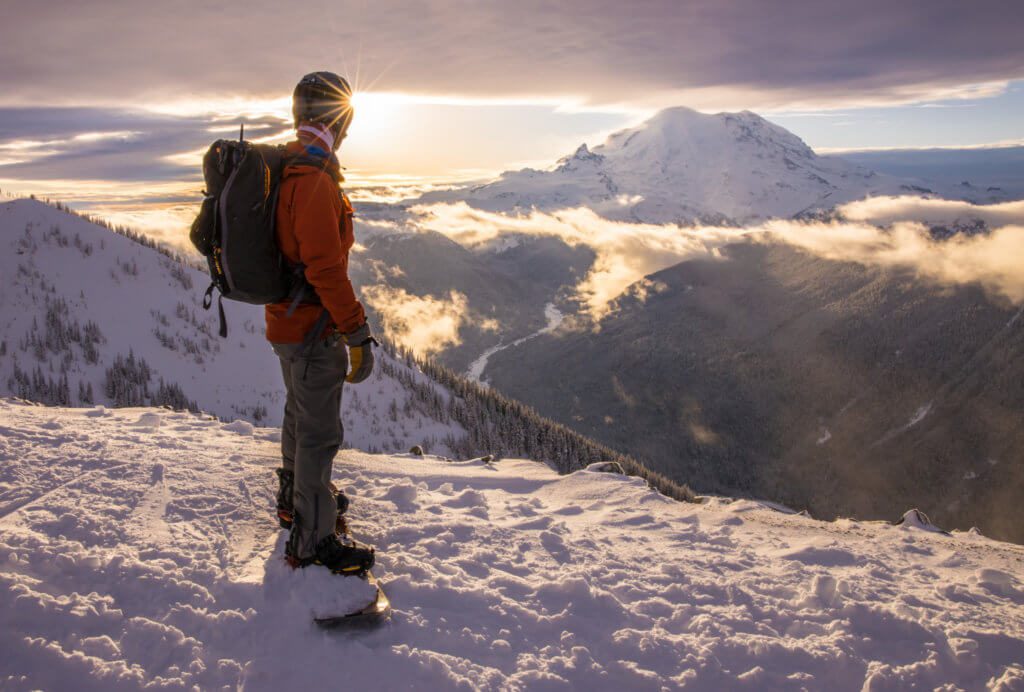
(885,232)
(993,260)
(626,252)
(888,210)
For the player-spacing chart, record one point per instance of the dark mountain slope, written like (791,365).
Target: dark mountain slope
(826,385)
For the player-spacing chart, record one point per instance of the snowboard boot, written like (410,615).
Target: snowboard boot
(341,499)
(285,508)
(340,554)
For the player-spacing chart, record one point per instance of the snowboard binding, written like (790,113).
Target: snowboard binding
(340,554)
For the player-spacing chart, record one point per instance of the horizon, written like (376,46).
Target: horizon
(462,94)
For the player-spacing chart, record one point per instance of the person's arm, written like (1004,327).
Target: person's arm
(317,217)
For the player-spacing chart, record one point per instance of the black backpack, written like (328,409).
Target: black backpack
(235,227)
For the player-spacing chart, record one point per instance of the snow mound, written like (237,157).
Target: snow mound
(149,557)
(148,420)
(242,427)
(916,519)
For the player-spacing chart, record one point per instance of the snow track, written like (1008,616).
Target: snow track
(151,559)
(31,500)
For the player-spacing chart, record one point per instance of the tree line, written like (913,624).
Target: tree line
(500,426)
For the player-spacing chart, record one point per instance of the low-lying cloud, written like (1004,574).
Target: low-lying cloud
(422,323)
(993,260)
(626,252)
(886,232)
(888,210)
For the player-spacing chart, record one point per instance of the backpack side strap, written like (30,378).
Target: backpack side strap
(208,301)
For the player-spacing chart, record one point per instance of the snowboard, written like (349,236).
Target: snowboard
(330,600)
(373,613)
(378,609)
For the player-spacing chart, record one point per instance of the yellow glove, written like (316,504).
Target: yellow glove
(360,354)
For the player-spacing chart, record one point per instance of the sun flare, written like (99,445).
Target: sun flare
(375,114)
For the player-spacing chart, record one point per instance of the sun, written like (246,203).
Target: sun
(375,114)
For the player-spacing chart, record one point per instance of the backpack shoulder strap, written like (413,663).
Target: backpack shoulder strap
(313,161)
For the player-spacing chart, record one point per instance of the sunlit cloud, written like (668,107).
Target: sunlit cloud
(95,191)
(594,52)
(233,128)
(627,253)
(29,149)
(992,260)
(796,103)
(423,323)
(887,210)
(229,108)
(19,144)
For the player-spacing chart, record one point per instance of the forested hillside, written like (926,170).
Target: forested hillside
(840,388)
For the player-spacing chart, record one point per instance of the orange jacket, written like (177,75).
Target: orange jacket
(314,227)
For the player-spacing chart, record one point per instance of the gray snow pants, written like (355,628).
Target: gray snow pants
(311,434)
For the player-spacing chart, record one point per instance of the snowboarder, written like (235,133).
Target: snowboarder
(310,332)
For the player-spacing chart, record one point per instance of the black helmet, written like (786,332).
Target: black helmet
(323,97)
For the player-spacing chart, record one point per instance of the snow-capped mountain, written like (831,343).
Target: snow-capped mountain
(90,316)
(685,166)
(138,550)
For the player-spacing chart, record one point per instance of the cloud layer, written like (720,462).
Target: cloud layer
(422,323)
(887,210)
(993,260)
(885,232)
(626,252)
(701,52)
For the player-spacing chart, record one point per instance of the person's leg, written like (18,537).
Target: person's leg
(316,383)
(288,424)
(286,472)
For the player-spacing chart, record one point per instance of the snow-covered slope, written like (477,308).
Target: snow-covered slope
(682,166)
(137,549)
(74,297)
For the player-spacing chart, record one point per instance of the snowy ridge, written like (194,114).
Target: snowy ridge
(683,166)
(92,317)
(138,549)
(60,272)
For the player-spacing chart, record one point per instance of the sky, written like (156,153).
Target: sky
(109,104)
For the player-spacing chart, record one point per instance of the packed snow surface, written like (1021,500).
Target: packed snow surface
(138,549)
